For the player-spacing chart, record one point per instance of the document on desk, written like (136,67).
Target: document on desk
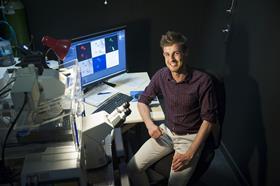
(99,94)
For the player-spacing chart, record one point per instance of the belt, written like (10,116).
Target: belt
(184,132)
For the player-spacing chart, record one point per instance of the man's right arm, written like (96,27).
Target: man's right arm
(153,130)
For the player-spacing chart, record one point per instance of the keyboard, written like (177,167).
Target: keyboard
(113,102)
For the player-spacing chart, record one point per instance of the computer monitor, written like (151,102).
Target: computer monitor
(100,55)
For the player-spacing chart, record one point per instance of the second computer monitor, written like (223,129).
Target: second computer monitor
(100,55)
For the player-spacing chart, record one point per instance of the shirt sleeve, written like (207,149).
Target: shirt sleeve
(151,91)
(208,101)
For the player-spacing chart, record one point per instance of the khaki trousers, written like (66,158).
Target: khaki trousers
(154,149)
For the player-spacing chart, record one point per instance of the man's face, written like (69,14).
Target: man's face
(174,57)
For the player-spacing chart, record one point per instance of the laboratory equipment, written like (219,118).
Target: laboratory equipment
(97,136)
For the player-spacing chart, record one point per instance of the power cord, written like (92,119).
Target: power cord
(7,85)
(4,92)
(5,172)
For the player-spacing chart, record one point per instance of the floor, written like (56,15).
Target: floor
(219,173)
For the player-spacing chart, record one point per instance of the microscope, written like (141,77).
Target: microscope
(98,134)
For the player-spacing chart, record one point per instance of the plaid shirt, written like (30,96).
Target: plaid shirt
(187,103)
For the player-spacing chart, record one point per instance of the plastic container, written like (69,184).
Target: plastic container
(6,54)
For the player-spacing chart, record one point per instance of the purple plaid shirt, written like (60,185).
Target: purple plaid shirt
(187,103)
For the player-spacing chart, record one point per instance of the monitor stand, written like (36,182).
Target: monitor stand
(110,84)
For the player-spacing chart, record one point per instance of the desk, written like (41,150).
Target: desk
(128,82)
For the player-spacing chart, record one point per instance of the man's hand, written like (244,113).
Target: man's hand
(154,131)
(180,161)
(144,110)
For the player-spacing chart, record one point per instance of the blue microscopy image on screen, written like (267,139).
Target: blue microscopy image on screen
(99,63)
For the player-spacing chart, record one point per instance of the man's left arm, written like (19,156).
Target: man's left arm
(201,136)
(179,160)
(208,114)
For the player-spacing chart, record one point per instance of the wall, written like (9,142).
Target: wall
(248,60)
(146,21)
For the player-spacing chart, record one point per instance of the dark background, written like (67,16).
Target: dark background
(248,60)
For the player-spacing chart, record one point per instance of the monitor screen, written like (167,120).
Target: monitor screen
(100,56)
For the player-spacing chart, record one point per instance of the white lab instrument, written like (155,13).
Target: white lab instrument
(97,136)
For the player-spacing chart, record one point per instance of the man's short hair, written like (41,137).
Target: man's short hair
(172,37)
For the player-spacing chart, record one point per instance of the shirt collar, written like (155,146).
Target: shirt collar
(187,80)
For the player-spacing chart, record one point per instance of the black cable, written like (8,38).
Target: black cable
(4,92)
(7,85)
(10,129)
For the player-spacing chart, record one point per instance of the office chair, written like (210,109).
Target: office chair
(158,173)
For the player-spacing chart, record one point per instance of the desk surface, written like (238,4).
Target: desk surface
(133,82)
